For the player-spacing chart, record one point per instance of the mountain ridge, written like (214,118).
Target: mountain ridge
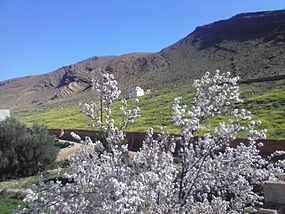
(251,45)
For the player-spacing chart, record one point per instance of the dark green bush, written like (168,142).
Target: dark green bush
(23,151)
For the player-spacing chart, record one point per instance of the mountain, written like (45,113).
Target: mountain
(251,45)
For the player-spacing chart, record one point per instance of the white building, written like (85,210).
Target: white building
(137,92)
(4,113)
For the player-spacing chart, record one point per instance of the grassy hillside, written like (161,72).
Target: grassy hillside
(265,100)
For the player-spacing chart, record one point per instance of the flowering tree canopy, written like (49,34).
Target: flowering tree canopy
(209,177)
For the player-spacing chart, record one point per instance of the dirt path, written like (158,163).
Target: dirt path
(68,152)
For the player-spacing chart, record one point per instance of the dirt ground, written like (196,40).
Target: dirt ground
(68,152)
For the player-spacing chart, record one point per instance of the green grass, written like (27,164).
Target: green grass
(8,205)
(13,191)
(265,100)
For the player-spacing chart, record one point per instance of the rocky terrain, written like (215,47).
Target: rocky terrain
(251,45)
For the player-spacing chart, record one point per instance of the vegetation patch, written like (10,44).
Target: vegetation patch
(265,100)
(8,205)
(24,151)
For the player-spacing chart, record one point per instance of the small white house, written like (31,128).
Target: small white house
(4,113)
(137,92)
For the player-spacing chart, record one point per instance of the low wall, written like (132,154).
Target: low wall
(135,140)
(274,196)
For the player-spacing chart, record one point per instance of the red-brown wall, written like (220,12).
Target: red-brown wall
(135,140)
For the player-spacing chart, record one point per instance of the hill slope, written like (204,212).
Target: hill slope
(251,45)
(156,110)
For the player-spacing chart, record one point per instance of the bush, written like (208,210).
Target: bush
(23,151)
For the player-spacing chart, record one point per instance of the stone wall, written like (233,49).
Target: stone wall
(274,192)
(274,197)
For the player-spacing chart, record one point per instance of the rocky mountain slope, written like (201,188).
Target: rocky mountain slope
(251,45)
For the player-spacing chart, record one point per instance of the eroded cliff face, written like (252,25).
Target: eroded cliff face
(251,45)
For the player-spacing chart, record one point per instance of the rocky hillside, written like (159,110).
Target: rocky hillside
(251,45)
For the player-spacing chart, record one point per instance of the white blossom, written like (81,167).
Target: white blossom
(206,176)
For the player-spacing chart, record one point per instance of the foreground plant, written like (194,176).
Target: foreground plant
(24,151)
(210,177)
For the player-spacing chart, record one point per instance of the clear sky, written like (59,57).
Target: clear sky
(39,36)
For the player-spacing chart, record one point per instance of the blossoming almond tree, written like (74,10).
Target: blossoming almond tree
(210,177)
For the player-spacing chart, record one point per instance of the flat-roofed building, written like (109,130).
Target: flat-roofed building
(4,113)
(137,92)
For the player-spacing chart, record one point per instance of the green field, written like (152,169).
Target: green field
(265,100)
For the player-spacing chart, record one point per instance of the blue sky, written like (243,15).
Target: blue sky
(39,36)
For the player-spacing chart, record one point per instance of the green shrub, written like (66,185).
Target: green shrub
(23,151)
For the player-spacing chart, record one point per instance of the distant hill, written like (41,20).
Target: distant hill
(251,45)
